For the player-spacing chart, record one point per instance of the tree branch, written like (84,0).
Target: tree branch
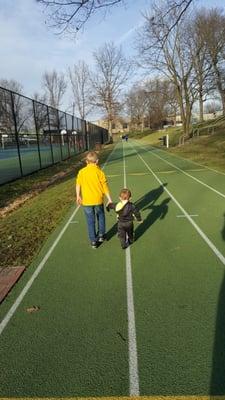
(73,15)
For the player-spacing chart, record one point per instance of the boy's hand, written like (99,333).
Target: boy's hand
(79,200)
(108,206)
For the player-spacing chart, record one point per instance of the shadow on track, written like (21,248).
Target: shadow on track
(217,386)
(147,202)
(223,230)
(157,212)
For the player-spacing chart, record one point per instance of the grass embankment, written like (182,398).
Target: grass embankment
(24,229)
(153,138)
(206,150)
(207,146)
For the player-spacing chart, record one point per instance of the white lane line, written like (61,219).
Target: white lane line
(204,167)
(17,302)
(185,173)
(201,233)
(109,156)
(14,307)
(132,341)
(184,216)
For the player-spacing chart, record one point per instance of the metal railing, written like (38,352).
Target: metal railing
(34,136)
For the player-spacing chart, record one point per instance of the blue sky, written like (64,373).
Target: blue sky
(29,47)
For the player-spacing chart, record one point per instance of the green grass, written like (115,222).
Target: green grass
(154,137)
(139,134)
(23,231)
(216,125)
(213,126)
(207,149)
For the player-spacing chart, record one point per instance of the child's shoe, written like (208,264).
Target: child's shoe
(101,238)
(94,245)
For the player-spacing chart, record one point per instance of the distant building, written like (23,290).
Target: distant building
(119,125)
(124,125)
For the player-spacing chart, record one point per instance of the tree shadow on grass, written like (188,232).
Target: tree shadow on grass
(147,202)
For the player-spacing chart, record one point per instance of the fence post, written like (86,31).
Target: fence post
(59,133)
(16,134)
(37,134)
(68,145)
(73,135)
(50,135)
(86,135)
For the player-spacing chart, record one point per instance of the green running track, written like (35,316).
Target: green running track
(147,321)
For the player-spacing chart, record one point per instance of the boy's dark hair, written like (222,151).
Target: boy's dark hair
(125,194)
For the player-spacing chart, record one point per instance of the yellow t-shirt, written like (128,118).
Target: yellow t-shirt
(93,183)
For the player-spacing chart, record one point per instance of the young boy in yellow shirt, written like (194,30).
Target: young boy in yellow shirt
(91,187)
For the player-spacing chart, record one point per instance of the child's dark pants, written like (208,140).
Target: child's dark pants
(125,231)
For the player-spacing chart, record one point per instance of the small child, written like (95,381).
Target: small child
(126,213)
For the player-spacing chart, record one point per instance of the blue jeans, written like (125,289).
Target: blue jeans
(95,217)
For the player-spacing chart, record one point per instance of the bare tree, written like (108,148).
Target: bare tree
(55,87)
(71,16)
(136,103)
(172,57)
(40,97)
(112,72)
(13,106)
(171,102)
(202,68)
(151,102)
(212,107)
(169,8)
(158,92)
(40,111)
(81,87)
(213,31)
(11,84)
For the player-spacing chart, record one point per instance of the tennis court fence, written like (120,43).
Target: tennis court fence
(34,136)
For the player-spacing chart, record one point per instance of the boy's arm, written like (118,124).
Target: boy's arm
(105,187)
(108,198)
(78,194)
(137,214)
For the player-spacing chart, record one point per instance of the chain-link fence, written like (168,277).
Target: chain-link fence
(34,136)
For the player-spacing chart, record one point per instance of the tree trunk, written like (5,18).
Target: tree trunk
(110,127)
(220,86)
(201,108)
(142,124)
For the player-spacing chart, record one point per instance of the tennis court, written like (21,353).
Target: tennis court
(147,321)
(30,159)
